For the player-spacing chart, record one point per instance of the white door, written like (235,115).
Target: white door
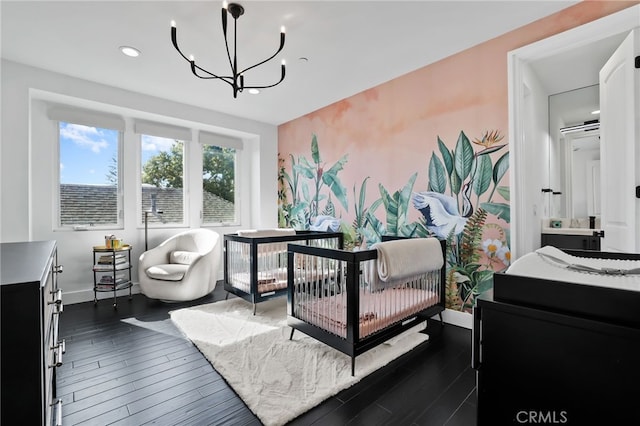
(620,147)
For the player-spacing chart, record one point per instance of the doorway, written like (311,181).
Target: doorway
(560,63)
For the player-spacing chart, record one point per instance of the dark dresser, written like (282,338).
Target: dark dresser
(30,350)
(551,352)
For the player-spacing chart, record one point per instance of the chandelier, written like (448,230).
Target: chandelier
(236,79)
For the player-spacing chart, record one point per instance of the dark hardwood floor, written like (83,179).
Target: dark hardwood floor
(131,366)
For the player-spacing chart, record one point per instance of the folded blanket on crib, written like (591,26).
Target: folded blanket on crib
(402,259)
(263,233)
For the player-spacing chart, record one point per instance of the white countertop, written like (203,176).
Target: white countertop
(569,231)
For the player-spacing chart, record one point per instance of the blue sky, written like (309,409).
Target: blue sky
(86,152)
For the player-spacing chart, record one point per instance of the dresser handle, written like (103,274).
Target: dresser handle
(58,269)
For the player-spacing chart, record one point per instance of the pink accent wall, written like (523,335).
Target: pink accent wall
(390,132)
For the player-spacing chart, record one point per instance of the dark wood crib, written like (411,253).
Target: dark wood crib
(330,299)
(255,267)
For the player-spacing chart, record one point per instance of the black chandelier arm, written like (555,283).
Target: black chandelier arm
(282,34)
(271,85)
(224,33)
(194,67)
(209,75)
(174,40)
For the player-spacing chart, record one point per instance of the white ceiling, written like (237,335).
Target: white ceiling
(350,45)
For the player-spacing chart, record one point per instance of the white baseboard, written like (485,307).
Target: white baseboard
(461,319)
(86,295)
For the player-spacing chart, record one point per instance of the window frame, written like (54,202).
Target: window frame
(78,118)
(236,186)
(166,131)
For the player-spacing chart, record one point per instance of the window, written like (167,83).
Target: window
(89,175)
(218,184)
(162,172)
(162,177)
(219,178)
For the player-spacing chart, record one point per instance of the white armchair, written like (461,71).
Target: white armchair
(184,267)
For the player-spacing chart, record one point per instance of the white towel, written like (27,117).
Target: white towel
(263,233)
(401,259)
(550,263)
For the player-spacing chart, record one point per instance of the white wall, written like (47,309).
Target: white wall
(27,167)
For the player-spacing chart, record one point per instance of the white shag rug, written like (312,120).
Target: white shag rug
(278,378)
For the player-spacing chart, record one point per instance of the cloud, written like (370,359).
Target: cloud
(156,144)
(84,137)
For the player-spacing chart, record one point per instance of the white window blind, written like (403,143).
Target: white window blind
(220,140)
(86,117)
(162,130)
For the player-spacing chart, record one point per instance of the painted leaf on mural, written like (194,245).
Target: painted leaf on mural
(404,198)
(337,188)
(331,179)
(390,206)
(456,183)
(501,167)
(306,195)
(437,177)
(359,206)
(305,168)
(483,175)
(463,156)
(315,152)
(447,156)
(505,192)
(500,210)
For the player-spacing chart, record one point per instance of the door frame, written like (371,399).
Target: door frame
(517,60)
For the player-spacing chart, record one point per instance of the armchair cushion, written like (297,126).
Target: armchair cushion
(183,257)
(169,272)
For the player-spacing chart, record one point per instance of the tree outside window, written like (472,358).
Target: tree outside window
(218,184)
(163,178)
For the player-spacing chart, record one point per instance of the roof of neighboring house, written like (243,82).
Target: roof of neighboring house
(97,204)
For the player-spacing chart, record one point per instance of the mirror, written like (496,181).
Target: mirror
(574,153)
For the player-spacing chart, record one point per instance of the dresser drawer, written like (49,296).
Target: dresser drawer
(30,305)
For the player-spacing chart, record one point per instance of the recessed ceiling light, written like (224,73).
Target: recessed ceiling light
(130,51)
(595,112)
(254,91)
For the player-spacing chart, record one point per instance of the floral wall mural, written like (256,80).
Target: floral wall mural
(424,154)
(454,205)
